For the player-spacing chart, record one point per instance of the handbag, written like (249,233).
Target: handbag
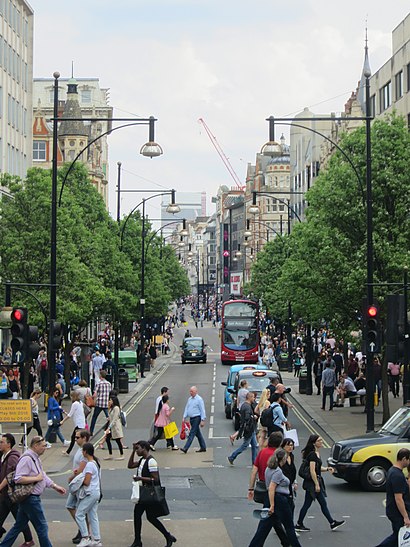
(171,430)
(185,429)
(152,494)
(19,492)
(260,491)
(89,401)
(404,537)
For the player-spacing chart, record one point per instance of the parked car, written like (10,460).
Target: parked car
(229,385)
(258,380)
(365,459)
(193,349)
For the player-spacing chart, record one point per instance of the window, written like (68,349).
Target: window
(408,77)
(385,97)
(86,96)
(39,150)
(398,81)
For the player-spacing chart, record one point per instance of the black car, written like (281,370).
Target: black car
(193,349)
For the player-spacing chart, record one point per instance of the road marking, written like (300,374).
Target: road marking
(213,400)
(211,420)
(212,409)
(211,433)
(237,518)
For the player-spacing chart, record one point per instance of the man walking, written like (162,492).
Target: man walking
(247,429)
(102,394)
(9,458)
(29,469)
(397,498)
(97,363)
(82,436)
(195,411)
(328,384)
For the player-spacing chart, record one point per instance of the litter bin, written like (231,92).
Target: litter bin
(123,381)
(303,381)
(283,362)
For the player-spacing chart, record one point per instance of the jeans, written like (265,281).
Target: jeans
(266,525)
(195,432)
(29,510)
(138,512)
(246,442)
(54,429)
(88,506)
(308,502)
(96,413)
(7,507)
(327,391)
(392,540)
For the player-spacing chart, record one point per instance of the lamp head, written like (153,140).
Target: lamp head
(151,150)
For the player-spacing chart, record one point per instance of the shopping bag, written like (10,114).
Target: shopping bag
(404,537)
(170,430)
(185,429)
(292,434)
(135,492)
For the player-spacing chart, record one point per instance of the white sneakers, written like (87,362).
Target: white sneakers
(48,445)
(66,443)
(88,542)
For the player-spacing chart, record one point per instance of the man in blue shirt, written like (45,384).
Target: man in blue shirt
(195,411)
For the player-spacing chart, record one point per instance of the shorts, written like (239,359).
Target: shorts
(72,501)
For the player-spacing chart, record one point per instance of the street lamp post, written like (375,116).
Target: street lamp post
(370,384)
(150,149)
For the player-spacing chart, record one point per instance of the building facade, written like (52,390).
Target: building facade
(16,86)
(78,98)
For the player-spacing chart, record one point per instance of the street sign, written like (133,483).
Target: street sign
(372,347)
(18,357)
(16,411)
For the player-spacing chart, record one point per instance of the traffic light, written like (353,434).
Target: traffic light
(33,346)
(372,328)
(56,334)
(18,331)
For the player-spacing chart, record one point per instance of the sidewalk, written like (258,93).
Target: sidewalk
(53,460)
(341,423)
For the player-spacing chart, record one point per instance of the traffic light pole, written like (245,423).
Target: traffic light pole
(406,375)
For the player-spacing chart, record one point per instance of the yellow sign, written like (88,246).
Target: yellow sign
(15,411)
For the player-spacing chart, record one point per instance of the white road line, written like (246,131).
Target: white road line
(211,433)
(212,409)
(211,420)
(212,400)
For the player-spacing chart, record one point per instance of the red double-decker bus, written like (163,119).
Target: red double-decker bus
(239,332)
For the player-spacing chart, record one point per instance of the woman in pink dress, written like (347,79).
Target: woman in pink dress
(163,419)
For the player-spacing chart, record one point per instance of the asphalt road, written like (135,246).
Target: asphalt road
(207,497)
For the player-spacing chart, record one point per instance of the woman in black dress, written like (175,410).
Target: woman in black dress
(314,485)
(289,470)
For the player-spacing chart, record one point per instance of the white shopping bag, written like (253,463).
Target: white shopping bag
(404,537)
(292,434)
(135,493)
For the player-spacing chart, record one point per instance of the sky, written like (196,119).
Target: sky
(232,63)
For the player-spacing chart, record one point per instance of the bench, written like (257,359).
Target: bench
(361,399)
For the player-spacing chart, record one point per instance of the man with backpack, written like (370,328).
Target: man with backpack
(9,458)
(247,429)
(273,417)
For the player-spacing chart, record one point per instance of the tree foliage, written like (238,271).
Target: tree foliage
(95,277)
(323,273)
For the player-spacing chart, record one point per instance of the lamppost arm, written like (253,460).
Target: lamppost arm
(270,194)
(139,121)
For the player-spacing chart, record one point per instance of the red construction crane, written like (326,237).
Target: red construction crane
(222,155)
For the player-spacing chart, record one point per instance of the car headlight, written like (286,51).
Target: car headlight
(346,455)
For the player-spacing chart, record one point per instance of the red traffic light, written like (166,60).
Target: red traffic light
(372,311)
(17,314)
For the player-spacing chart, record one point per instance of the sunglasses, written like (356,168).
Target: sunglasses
(76,438)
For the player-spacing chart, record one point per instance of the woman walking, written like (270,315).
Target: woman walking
(78,417)
(54,416)
(314,484)
(289,470)
(147,474)
(163,419)
(34,397)
(114,429)
(279,508)
(89,497)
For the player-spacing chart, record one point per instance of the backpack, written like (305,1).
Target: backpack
(304,469)
(267,417)
(123,418)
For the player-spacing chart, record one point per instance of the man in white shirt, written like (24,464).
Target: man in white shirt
(346,388)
